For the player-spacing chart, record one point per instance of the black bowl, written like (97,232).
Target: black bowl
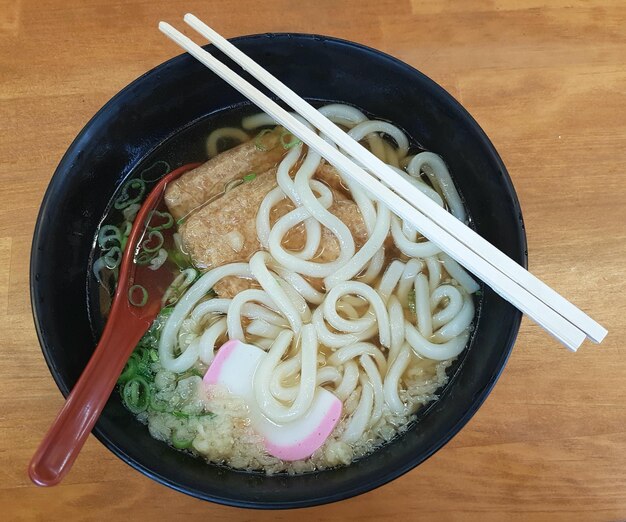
(164,102)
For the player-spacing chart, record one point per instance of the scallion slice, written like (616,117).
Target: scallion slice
(181,442)
(129,370)
(132,192)
(258,141)
(148,244)
(132,298)
(112,258)
(158,405)
(293,142)
(169,220)
(144,258)
(149,176)
(109,236)
(136,394)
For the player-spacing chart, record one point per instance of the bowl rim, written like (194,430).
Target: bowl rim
(479,398)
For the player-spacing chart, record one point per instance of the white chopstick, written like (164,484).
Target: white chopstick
(445,220)
(555,323)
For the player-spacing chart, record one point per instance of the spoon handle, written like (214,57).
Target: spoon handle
(65,438)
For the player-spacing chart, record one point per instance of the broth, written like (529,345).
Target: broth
(411,296)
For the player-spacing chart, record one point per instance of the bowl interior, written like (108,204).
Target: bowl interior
(179,93)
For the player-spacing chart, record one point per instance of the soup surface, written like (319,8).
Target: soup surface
(350,315)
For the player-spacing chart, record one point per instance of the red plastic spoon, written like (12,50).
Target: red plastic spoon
(126,324)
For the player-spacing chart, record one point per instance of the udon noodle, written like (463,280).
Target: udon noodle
(377,324)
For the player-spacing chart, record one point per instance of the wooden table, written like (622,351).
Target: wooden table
(547,82)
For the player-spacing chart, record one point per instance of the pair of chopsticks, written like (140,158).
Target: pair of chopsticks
(546,307)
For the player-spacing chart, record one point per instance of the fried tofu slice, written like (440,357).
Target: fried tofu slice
(224,230)
(329,175)
(196,187)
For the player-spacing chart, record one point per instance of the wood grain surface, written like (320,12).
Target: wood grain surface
(545,79)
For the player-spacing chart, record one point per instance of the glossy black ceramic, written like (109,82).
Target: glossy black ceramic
(168,99)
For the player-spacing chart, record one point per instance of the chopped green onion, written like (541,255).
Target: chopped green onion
(145,355)
(164,314)
(257,141)
(152,178)
(136,395)
(146,244)
(181,442)
(129,370)
(108,236)
(178,287)
(130,212)
(137,378)
(168,223)
(98,266)
(158,260)
(249,177)
(128,226)
(158,405)
(112,258)
(291,143)
(125,199)
(144,258)
(143,370)
(144,296)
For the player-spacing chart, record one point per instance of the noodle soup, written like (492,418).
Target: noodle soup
(333,294)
